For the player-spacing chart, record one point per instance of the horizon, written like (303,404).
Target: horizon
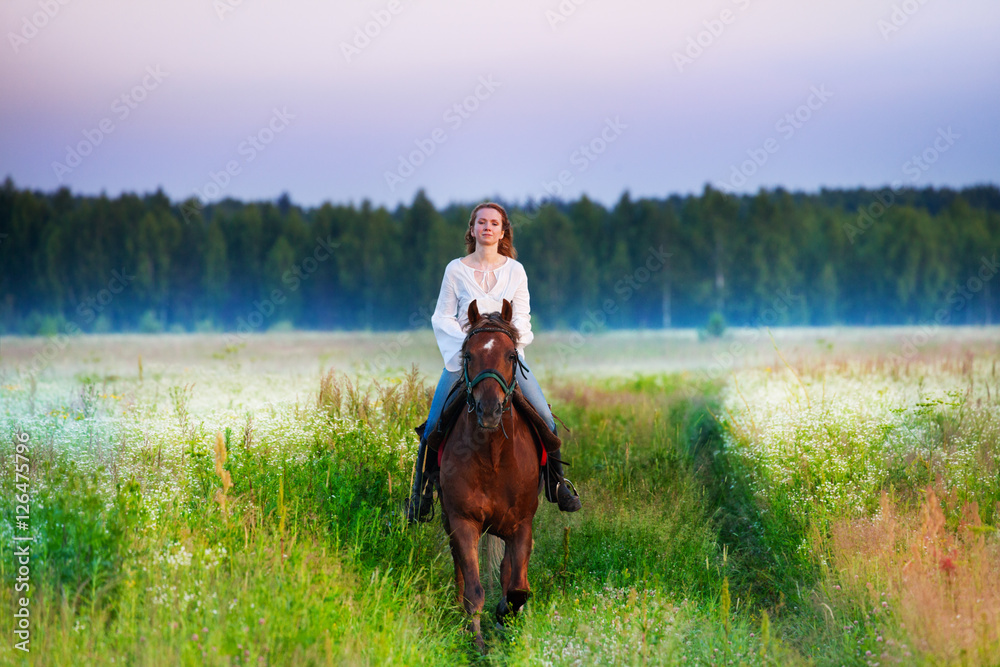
(514,205)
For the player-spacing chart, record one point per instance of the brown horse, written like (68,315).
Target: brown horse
(489,479)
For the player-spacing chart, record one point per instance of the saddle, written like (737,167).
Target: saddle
(545,440)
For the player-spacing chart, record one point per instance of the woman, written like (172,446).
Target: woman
(489,274)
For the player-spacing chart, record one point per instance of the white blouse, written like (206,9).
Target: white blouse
(459,288)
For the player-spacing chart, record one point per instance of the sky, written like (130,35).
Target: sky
(376,99)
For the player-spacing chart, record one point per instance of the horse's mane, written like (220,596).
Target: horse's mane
(493,321)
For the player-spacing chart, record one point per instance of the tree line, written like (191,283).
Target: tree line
(853,257)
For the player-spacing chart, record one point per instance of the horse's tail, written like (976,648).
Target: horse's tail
(494,554)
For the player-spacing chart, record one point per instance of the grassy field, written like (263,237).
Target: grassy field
(824,497)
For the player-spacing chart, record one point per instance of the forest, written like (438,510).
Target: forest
(777,258)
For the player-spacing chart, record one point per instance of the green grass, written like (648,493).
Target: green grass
(759,519)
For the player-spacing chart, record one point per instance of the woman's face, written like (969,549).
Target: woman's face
(487,228)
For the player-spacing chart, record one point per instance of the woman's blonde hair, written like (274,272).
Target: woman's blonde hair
(506,245)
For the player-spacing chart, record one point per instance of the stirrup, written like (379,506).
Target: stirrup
(422,511)
(567,497)
(420,504)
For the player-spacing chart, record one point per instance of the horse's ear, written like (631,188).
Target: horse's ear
(507,312)
(473,313)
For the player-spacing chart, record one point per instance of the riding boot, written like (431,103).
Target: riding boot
(558,489)
(420,507)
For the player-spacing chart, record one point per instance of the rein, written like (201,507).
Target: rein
(508,387)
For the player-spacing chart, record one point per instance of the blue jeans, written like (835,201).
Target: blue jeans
(526,381)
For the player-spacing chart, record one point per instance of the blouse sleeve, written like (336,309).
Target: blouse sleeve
(522,311)
(447,328)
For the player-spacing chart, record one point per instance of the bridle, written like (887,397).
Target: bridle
(508,387)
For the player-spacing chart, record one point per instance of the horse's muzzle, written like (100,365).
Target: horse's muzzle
(488,418)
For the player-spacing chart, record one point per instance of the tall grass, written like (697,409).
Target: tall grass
(879,501)
(276,543)
(809,513)
(927,586)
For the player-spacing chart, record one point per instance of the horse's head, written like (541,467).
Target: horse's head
(489,360)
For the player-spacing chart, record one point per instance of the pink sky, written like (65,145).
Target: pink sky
(225,68)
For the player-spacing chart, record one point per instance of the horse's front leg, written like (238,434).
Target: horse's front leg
(459,582)
(465,550)
(516,589)
(502,610)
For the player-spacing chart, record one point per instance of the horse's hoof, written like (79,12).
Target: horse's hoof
(517,599)
(501,612)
